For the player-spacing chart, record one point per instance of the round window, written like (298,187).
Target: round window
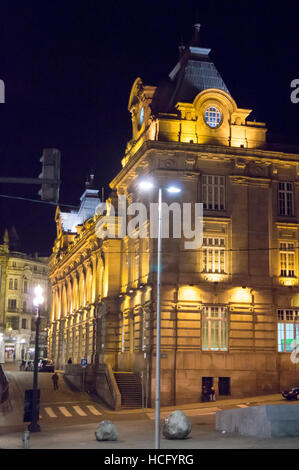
(212,117)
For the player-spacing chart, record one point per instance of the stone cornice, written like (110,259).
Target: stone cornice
(265,156)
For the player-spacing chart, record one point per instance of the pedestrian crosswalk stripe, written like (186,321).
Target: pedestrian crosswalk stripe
(93,410)
(50,412)
(64,411)
(79,411)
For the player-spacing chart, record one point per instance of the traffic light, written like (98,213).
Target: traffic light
(50,175)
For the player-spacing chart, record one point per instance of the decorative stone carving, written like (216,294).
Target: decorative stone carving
(169,163)
(176,425)
(240,163)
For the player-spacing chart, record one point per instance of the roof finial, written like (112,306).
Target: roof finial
(89,184)
(6,237)
(196,33)
(181,46)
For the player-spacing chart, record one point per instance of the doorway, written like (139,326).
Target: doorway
(224,385)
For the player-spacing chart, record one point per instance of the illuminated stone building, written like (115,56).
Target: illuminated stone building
(230,310)
(19,274)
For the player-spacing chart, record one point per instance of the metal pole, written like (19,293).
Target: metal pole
(34,426)
(158,327)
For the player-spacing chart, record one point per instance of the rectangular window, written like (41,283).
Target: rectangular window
(287,259)
(287,329)
(10,284)
(25,286)
(12,304)
(214,329)
(24,323)
(12,322)
(213,255)
(15,284)
(136,261)
(285,199)
(213,196)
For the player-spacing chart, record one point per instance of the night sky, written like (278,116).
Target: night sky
(68,68)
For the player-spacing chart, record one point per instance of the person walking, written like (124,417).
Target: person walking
(69,361)
(55,379)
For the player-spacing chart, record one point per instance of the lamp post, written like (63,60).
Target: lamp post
(147,185)
(37,301)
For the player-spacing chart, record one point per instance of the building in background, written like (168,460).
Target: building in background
(19,274)
(230,310)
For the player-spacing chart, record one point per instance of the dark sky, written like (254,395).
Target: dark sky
(69,65)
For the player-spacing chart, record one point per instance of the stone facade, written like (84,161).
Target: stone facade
(229,309)
(19,273)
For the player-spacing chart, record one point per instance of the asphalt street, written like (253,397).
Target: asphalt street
(68,417)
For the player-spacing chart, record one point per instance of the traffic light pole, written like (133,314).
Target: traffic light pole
(49,179)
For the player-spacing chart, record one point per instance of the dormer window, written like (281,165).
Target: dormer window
(213,117)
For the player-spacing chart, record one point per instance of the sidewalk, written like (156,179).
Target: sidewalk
(191,406)
(140,435)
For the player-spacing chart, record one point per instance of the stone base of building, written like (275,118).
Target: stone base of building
(237,375)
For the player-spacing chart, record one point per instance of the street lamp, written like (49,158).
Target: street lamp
(37,301)
(146,185)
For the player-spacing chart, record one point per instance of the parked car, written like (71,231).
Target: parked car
(291,394)
(45,365)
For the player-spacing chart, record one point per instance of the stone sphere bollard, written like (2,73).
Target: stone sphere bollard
(176,426)
(106,431)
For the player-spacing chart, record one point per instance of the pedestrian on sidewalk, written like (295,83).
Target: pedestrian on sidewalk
(70,360)
(55,379)
(212,394)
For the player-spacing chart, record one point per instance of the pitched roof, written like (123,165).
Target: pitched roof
(194,73)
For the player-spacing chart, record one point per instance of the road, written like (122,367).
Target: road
(65,411)
(63,406)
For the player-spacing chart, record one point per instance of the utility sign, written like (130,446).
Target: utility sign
(83,362)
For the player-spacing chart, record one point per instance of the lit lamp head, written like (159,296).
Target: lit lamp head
(38,299)
(145,185)
(173,189)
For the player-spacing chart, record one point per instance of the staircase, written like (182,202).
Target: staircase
(130,389)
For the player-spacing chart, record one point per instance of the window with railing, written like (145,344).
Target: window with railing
(213,192)
(285,199)
(213,250)
(214,328)
(12,304)
(287,329)
(287,259)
